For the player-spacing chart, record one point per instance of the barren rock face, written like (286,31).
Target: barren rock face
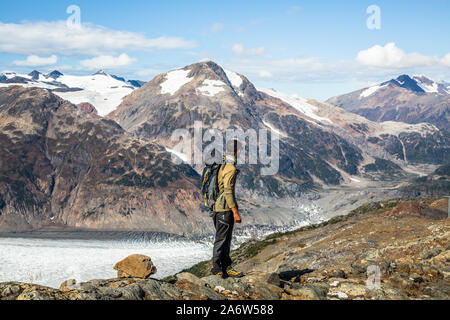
(136,265)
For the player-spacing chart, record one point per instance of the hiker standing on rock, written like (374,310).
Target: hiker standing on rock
(225,212)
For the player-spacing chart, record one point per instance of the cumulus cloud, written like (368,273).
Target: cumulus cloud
(240,50)
(36,61)
(104,62)
(391,56)
(289,69)
(43,38)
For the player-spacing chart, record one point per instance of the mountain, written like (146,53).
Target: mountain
(309,153)
(35,75)
(320,144)
(63,166)
(402,143)
(66,169)
(407,99)
(103,91)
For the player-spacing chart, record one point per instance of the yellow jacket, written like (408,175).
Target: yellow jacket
(226,181)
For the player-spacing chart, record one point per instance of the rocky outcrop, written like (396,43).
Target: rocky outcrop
(373,253)
(135,266)
(87,107)
(342,258)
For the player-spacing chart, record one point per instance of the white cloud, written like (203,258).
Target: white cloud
(36,61)
(148,72)
(240,50)
(390,56)
(265,74)
(216,27)
(103,62)
(44,38)
(446,60)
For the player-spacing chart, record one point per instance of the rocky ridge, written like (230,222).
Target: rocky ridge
(405,240)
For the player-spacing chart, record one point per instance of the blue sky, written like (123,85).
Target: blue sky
(316,49)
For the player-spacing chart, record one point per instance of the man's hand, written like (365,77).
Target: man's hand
(237,217)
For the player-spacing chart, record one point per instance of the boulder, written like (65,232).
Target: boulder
(136,266)
(87,107)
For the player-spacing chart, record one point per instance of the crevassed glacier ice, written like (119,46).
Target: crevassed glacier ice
(50,262)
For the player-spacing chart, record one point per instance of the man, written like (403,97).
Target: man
(226,213)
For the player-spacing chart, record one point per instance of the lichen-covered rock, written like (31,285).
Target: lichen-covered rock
(135,265)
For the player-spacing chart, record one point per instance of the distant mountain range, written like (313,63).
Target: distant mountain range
(406,99)
(100,89)
(63,166)
(319,143)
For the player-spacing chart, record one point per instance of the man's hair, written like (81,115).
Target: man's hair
(233,146)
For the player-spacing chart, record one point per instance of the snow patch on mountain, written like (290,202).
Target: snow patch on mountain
(235,79)
(429,88)
(31,84)
(175,80)
(298,103)
(177,154)
(426,84)
(273,129)
(102,90)
(370,91)
(211,87)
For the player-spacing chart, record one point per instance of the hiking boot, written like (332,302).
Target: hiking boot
(219,273)
(231,272)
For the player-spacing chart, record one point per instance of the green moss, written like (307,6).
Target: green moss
(200,269)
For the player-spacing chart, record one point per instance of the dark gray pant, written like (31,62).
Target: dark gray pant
(223,222)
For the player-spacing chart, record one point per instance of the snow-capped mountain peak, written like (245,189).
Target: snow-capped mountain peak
(297,102)
(100,72)
(431,86)
(105,92)
(54,74)
(410,99)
